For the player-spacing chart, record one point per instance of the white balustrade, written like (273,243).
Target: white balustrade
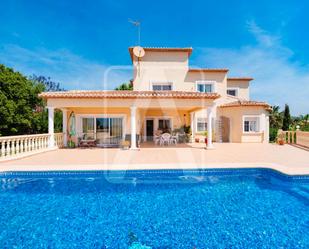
(11,146)
(297,137)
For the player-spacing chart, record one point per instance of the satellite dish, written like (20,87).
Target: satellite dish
(138,51)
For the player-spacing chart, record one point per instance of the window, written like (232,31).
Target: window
(164,125)
(205,86)
(251,124)
(201,124)
(232,92)
(162,86)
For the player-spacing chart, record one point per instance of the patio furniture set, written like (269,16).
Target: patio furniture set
(165,139)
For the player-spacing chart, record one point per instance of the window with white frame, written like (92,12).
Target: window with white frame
(232,91)
(162,86)
(201,124)
(251,124)
(205,86)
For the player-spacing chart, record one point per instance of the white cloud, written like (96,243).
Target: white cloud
(278,79)
(71,70)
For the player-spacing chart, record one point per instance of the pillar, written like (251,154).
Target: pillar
(51,141)
(133,128)
(192,118)
(210,111)
(65,127)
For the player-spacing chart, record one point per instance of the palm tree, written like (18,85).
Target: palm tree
(275,118)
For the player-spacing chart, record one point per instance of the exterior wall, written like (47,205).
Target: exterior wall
(160,67)
(242,88)
(236,114)
(219,77)
(172,67)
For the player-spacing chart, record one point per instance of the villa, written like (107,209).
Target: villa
(167,95)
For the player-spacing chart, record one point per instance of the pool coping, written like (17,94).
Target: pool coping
(168,166)
(157,172)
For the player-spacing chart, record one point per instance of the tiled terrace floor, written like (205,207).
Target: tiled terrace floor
(287,159)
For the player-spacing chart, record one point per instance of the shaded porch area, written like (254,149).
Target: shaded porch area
(114,123)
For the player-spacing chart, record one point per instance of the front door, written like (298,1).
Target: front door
(149,129)
(225,130)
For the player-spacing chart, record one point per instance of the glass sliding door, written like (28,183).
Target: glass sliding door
(102,130)
(115,130)
(109,131)
(88,129)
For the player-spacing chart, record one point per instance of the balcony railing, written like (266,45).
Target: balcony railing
(294,137)
(18,146)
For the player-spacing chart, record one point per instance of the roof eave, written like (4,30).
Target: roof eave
(128,95)
(240,79)
(208,70)
(162,49)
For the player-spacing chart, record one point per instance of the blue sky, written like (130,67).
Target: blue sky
(75,42)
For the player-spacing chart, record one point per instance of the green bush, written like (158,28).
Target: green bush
(273,134)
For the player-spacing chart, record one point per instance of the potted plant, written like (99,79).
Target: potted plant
(205,134)
(280,137)
(280,141)
(71,144)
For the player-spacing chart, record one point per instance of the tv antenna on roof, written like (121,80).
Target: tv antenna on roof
(138,25)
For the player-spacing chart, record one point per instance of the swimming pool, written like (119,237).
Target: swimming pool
(222,208)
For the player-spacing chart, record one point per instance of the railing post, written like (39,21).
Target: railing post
(39,143)
(13,148)
(17,146)
(3,148)
(26,145)
(8,147)
(22,145)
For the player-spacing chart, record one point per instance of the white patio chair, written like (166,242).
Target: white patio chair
(174,139)
(165,139)
(157,139)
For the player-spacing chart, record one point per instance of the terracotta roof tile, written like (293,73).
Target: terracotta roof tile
(129,94)
(164,49)
(242,103)
(209,70)
(239,79)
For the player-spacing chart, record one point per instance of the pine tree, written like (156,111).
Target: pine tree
(286,118)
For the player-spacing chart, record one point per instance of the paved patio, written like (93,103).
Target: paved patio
(287,159)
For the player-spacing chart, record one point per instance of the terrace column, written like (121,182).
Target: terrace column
(133,128)
(192,117)
(64,126)
(51,140)
(210,111)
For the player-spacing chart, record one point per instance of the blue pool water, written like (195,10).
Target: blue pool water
(253,208)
